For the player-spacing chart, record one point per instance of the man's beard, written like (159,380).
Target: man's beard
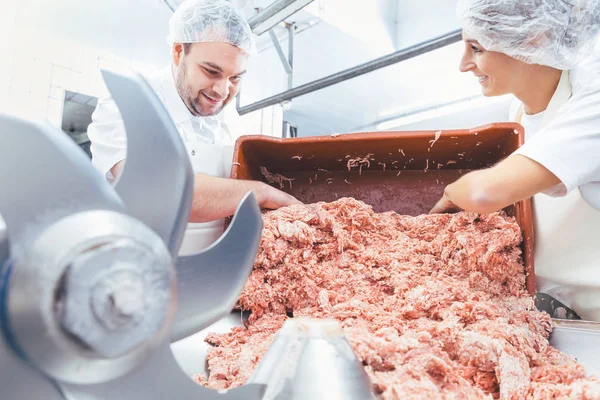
(191,99)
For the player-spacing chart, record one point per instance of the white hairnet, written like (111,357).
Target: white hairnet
(197,21)
(556,33)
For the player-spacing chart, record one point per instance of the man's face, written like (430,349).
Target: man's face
(208,76)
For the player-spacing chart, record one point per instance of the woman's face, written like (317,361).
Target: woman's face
(497,73)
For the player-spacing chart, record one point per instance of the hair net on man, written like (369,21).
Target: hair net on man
(556,33)
(197,21)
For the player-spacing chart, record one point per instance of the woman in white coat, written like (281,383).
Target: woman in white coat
(539,51)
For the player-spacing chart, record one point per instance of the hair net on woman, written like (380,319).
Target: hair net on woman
(197,21)
(556,33)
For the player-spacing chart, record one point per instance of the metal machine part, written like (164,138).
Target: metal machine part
(89,277)
(579,339)
(556,309)
(103,297)
(353,72)
(311,359)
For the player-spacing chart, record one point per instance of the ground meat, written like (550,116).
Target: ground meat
(360,162)
(434,306)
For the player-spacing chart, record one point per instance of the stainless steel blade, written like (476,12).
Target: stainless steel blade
(209,283)
(157,182)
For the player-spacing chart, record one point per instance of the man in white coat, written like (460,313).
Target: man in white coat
(210,44)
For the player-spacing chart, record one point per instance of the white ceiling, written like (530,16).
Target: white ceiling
(135,29)
(351,32)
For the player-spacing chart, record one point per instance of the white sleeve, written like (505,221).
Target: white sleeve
(569,146)
(107,136)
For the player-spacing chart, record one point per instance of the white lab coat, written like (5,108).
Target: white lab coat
(208,140)
(565,139)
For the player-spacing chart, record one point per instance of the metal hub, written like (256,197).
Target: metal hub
(114,297)
(104,304)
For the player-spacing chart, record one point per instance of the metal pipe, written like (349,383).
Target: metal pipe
(378,63)
(171,7)
(284,61)
(274,14)
(291,32)
(268,12)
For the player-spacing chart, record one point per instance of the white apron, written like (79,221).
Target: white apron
(215,160)
(567,248)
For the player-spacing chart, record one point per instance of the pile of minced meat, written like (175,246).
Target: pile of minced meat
(434,306)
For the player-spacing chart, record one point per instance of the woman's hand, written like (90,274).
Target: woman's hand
(444,205)
(485,191)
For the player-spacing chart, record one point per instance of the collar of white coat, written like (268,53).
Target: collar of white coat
(563,92)
(177,108)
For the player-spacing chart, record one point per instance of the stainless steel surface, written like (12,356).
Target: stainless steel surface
(311,359)
(157,182)
(275,13)
(378,63)
(20,380)
(159,378)
(43,297)
(221,271)
(191,352)
(86,290)
(579,339)
(42,170)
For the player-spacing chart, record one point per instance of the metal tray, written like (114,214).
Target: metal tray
(579,339)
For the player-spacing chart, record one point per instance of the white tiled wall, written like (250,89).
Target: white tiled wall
(34,76)
(33,83)
(37,67)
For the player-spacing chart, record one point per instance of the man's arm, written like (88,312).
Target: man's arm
(216,198)
(513,179)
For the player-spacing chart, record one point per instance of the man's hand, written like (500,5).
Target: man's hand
(271,198)
(216,198)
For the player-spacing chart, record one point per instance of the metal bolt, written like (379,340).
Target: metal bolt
(118,296)
(115,297)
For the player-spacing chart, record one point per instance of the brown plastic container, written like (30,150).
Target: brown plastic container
(401,171)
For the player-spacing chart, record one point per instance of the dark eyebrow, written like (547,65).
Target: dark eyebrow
(213,66)
(216,67)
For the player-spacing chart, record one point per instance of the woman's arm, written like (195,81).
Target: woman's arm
(513,179)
